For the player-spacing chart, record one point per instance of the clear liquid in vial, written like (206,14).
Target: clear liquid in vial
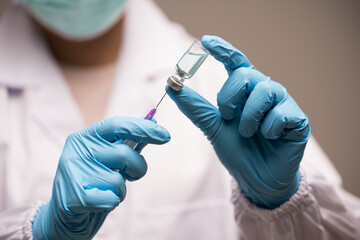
(189,63)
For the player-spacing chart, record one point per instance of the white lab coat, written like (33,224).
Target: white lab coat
(186,192)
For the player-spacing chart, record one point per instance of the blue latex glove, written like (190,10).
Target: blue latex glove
(258,132)
(86,186)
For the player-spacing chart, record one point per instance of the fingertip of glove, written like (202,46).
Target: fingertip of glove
(226,107)
(170,91)
(205,40)
(164,135)
(226,113)
(210,41)
(177,96)
(134,176)
(245,131)
(167,137)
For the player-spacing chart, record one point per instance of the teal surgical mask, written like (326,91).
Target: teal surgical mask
(76,19)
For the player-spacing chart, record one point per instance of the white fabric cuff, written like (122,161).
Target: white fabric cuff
(298,201)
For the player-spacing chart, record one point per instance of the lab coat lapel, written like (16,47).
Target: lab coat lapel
(36,72)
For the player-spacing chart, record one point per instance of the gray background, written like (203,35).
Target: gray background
(311,47)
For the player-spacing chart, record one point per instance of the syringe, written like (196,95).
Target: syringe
(185,68)
(149,116)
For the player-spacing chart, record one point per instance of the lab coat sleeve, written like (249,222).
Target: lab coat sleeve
(15,224)
(318,210)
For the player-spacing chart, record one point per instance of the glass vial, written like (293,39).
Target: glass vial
(188,65)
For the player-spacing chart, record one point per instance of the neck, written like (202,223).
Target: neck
(89,53)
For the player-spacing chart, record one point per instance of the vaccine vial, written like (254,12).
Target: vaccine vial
(185,69)
(188,65)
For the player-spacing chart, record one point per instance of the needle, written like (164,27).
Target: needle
(152,112)
(157,105)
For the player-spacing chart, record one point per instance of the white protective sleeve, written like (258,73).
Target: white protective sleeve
(320,209)
(15,224)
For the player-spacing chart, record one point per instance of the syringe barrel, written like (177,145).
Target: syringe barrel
(132,144)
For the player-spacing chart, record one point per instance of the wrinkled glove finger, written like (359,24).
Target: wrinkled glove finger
(264,97)
(134,129)
(224,52)
(234,93)
(106,181)
(141,146)
(100,200)
(286,121)
(202,113)
(123,158)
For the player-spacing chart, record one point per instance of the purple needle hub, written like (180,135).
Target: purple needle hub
(151,114)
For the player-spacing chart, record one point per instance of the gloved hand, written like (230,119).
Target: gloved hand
(258,132)
(91,174)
